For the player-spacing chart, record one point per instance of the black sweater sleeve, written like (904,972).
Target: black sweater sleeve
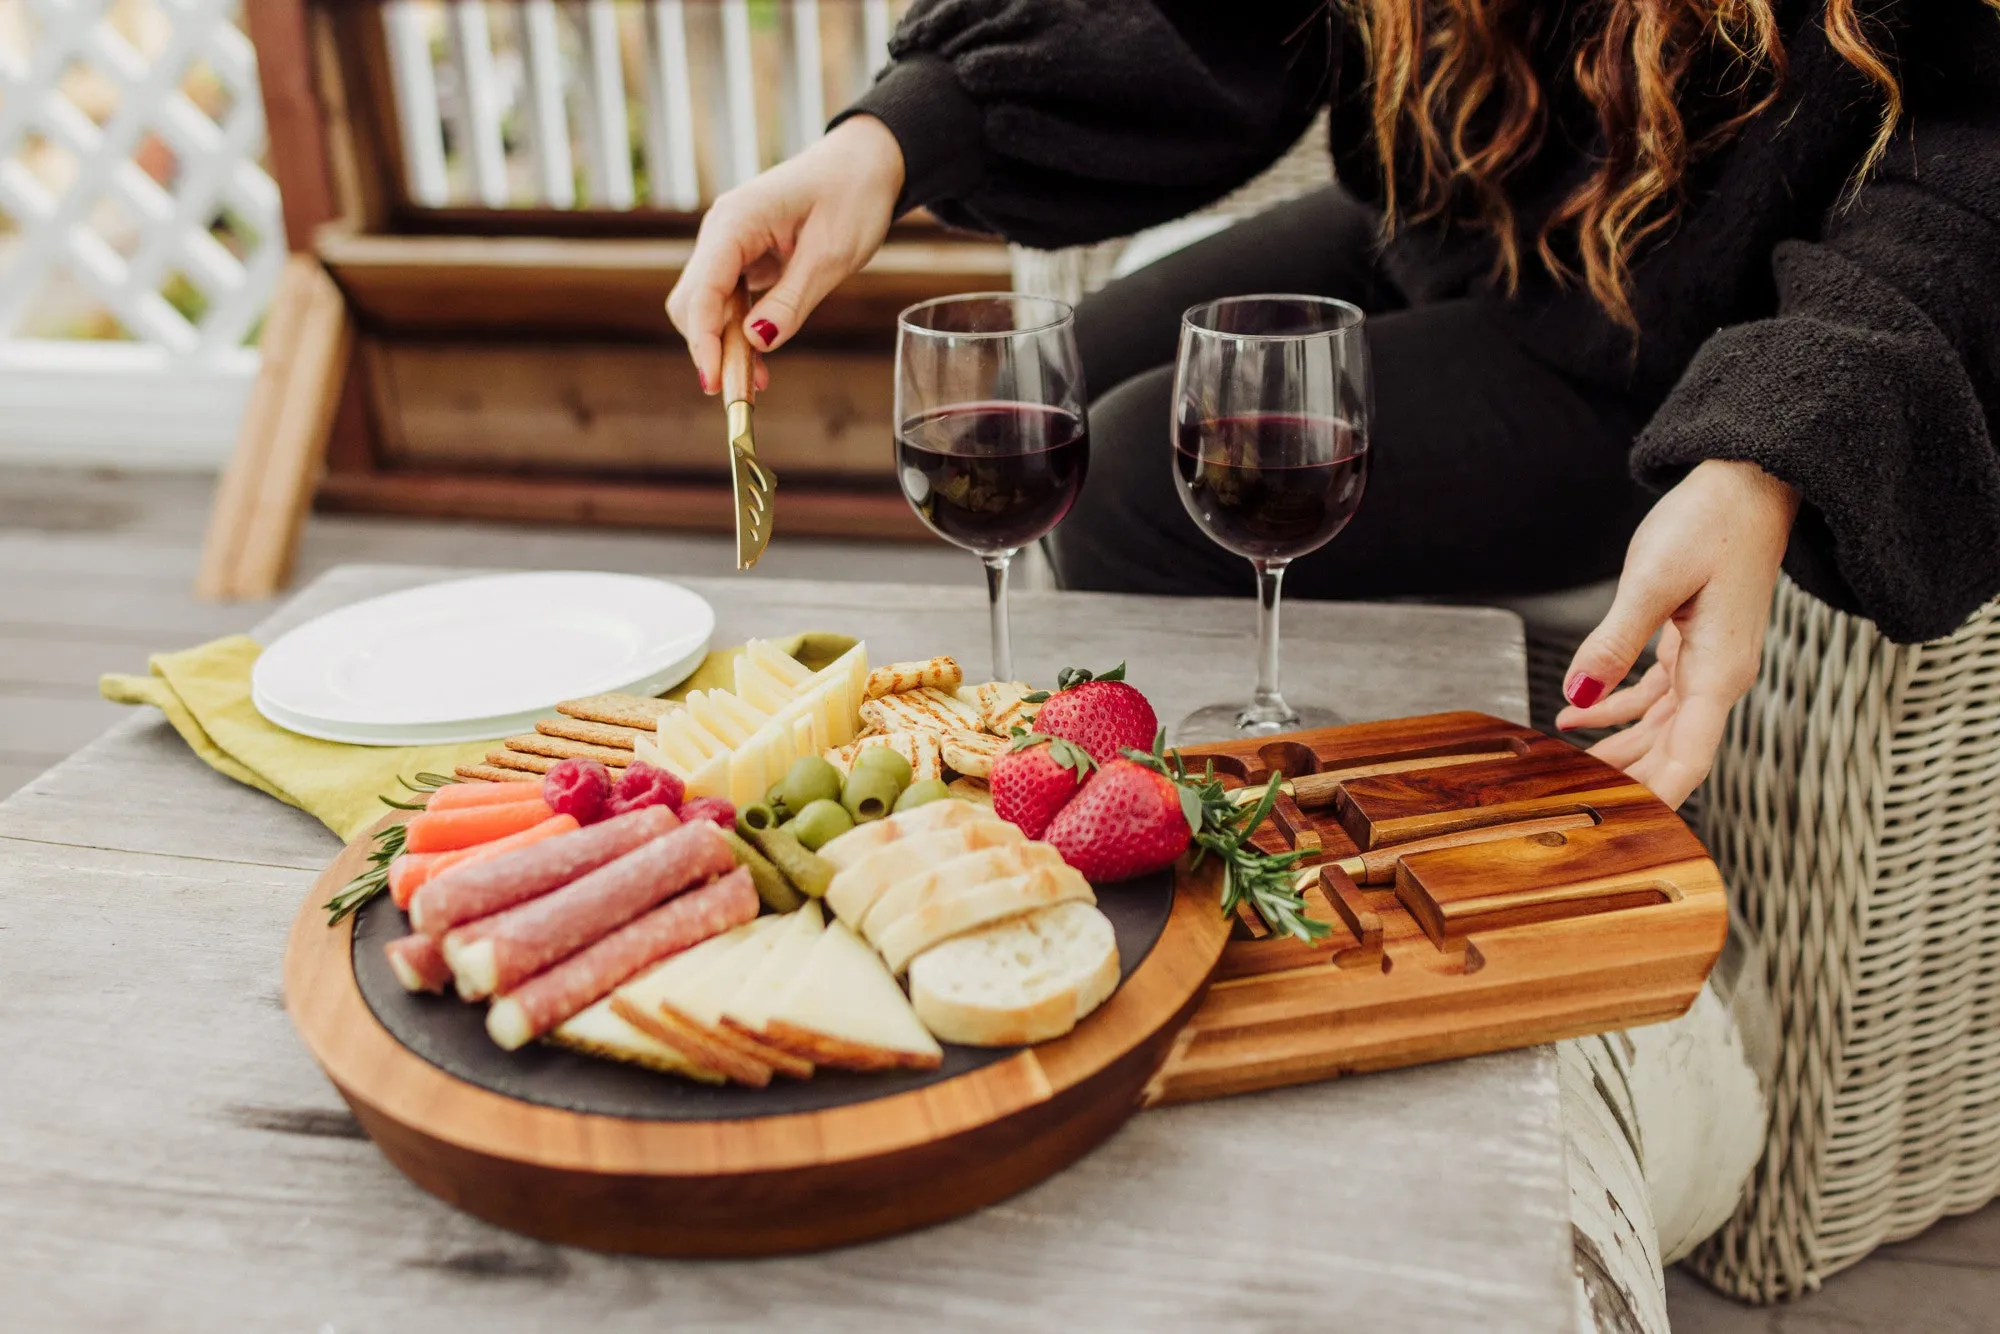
(1875,387)
(1057,122)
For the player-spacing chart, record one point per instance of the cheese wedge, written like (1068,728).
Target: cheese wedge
(960,872)
(645,1002)
(598,1031)
(861,840)
(954,912)
(845,1011)
(694,1005)
(853,891)
(747,1008)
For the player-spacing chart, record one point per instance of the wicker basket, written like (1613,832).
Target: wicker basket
(1855,812)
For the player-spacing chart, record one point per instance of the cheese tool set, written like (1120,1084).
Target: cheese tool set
(833,952)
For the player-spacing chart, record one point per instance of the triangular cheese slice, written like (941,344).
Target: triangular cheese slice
(746,1010)
(691,1006)
(645,1002)
(853,891)
(598,1031)
(845,1011)
(960,872)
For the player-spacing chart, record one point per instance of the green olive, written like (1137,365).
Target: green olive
(809,779)
(869,793)
(885,759)
(918,794)
(808,871)
(757,815)
(819,823)
(772,887)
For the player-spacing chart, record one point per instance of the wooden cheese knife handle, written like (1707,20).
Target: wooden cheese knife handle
(1377,866)
(738,366)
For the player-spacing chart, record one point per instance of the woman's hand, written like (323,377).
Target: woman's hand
(792,233)
(1701,570)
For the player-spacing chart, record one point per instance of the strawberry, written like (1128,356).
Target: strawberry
(1128,820)
(1099,712)
(1033,780)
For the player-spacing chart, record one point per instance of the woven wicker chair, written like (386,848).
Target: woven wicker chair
(1855,812)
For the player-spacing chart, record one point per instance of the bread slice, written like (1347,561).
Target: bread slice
(844,1010)
(746,1009)
(598,1031)
(966,869)
(953,912)
(854,890)
(1027,979)
(928,818)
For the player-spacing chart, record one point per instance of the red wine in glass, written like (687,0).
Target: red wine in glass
(993,476)
(1271,486)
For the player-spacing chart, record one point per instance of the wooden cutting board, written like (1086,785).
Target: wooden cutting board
(1486,886)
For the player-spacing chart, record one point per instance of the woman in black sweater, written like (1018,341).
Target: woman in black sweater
(1745,252)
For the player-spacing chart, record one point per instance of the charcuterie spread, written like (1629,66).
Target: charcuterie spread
(838,869)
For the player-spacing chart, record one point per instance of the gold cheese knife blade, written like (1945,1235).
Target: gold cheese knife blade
(750,481)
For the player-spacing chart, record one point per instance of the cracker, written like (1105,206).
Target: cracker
(562,748)
(596,734)
(970,753)
(515,760)
(490,773)
(640,711)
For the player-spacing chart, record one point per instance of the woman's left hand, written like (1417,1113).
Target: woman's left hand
(1700,571)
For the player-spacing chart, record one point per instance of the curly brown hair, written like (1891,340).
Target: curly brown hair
(1455,77)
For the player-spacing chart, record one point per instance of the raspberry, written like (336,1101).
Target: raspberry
(578,787)
(709,808)
(643,785)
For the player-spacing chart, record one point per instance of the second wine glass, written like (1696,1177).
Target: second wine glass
(991,440)
(1270,440)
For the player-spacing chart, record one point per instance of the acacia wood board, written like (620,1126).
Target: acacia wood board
(1486,887)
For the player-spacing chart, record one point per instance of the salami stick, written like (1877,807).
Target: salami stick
(497,954)
(480,888)
(418,962)
(544,1001)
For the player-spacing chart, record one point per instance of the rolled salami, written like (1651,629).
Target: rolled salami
(418,962)
(480,888)
(494,955)
(584,978)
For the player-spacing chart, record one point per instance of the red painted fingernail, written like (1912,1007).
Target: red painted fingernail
(703,377)
(1583,690)
(767,332)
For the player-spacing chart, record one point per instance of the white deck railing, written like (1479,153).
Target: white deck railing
(140,237)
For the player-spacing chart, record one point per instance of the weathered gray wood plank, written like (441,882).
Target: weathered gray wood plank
(170,1159)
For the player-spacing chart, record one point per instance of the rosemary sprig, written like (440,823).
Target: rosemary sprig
(388,846)
(1268,882)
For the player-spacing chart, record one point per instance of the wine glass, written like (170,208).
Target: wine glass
(1270,438)
(991,439)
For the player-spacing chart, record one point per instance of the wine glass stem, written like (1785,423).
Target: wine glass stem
(996,604)
(1268,706)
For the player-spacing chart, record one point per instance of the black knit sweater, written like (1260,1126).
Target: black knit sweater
(1848,346)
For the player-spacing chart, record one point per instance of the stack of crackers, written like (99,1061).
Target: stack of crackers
(596,727)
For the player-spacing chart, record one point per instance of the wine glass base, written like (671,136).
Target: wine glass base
(1228,722)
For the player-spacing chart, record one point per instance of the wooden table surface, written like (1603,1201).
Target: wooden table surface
(171,1159)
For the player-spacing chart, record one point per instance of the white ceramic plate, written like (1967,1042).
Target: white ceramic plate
(475,658)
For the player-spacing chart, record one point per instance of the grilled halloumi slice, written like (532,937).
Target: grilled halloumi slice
(919,748)
(923,710)
(975,791)
(970,753)
(1002,707)
(897,677)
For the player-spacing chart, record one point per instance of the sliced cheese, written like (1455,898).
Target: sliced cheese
(711,779)
(780,664)
(854,889)
(719,721)
(750,1005)
(598,1031)
(691,1004)
(960,872)
(957,911)
(858,842)
(647,1003)
(758,688)
(845,1010)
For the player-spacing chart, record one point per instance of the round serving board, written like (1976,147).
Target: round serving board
(594,1154)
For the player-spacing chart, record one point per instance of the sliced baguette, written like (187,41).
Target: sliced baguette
(953,912)
(853,891)
(861,840)
(845,1011)
(966,869)
(1027,979)
(598,1031)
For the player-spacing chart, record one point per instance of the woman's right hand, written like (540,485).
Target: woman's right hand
(792,233)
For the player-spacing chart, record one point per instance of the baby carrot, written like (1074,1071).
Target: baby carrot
(448,831)
(429,864)
(459,796)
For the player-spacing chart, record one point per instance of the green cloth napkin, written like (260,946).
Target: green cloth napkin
(205,693)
